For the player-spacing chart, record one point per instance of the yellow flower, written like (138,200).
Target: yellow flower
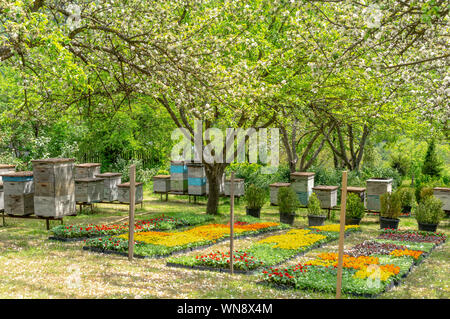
(334,227)
(293,239)
(210,232)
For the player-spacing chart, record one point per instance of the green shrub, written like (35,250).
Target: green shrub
(432,165)
(400,163)
(426,192)
(408,197)
(314,206)
(255,197)
(429,211)
(391,205)
(162,172)
(355,206)
(287,200)
(252,174)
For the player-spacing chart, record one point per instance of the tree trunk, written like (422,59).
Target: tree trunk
(214,174)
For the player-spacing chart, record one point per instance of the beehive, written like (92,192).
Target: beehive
(196,179)
(89,190)
(238,187)
(110,183)
(375,187)
(87,170)
(443,193)
(124,193)
(360,191)
(178,177)
(274,191)
(18,193)
(302,183)
(161,184)
(4,168)
(327,195)
(54,187)
(221,185)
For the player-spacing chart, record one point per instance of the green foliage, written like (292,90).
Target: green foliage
(287,200)
(407,195)
(424,185)
(252,174)
(391,205)
(429,211)
(255,197)
(355,206)
(400,163)
(314,205)
(432,165)
(162,172)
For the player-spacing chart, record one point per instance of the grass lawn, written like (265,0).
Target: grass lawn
(34,267)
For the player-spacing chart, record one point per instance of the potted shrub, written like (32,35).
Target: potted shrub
(255,198)
(315,214)
(429,213)
(408,199)
(287,205)
(355,209)
(391,206)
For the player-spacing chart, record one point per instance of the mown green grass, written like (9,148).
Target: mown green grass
(34,267)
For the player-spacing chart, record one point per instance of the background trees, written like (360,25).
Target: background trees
(109,79)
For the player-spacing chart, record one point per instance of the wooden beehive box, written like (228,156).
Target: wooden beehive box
(238,187)
(18,193)
(178,177)
(161,184)
(375,187)
(110,183)
(327,195)
(196,179)
(360,191)
(54,187)
(87,170)
(124,193)
(89,190)
(221,185)
(274,191)
(4,168)
(443,193)
(302,183)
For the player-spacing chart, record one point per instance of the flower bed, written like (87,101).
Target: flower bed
(152,243)
(266,252)
(163,222)
(369,268)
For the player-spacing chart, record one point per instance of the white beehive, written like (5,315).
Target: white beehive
(161,184)
(238,187)
(443,193)
(124,193)
(87,170)
(110,183)
(54,187)
(375,187)
(89,190)
(274,191)
(302,183)
(327,195)
(18,193)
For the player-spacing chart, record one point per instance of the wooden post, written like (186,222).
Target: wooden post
(231,222)
(131,214)
(341,235)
